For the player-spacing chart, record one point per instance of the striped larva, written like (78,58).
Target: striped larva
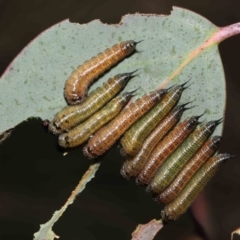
(70,116)
(77,84)
(174,164)
(165,148)
(179,206)
(134,137)
(83,131)
(178,184)
(132,166)
(105,137)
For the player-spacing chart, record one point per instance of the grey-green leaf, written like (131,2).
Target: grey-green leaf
(32,86)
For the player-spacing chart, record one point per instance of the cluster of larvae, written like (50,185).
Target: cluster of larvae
(173,160)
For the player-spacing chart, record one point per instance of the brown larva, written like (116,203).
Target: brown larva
(77,84)
(132,166)
(174,164)
(204,153)
(179,206)
(105,137)
(165,148)
(83,131)
(134,137)
(70,116)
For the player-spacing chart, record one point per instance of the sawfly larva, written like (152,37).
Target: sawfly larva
(180,205)
(77,84)
(165,148)
(83,131)
(174,164)
(134,137)
(70,116)
(203,154)
(132,166)
(105,137)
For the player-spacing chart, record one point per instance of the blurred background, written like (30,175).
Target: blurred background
(36,180)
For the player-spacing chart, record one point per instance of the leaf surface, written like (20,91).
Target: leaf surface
(32,86)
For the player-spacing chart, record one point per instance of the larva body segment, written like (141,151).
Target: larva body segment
(82,132)
(134,137)
(165,148)
(70,116)
(204,153)
(179,206)
(174,164)
(133,166)
(77,84)
(105,137)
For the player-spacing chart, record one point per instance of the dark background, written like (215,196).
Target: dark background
(36,180)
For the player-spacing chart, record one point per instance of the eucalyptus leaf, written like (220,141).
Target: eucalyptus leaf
(176,48)
(32,86)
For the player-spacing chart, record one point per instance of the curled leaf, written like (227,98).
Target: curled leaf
(147,231)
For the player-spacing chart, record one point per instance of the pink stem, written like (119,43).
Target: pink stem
(217,37)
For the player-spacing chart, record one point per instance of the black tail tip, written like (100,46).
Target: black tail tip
(232,155)
(138,42)
(183,84)
(183,106)
(217,122)
(201,115)
(168,89)
(134,91)
(130,74)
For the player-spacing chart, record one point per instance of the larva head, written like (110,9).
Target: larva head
(122,152)
(76,96)
(166,217)
(53,128)
(129,46)
(87,151)
(45,123)
(63,140)
(124,171)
